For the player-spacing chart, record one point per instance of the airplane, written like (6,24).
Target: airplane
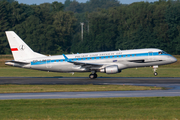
(109,62)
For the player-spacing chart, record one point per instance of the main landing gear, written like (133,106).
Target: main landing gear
(155,68)
(93,75)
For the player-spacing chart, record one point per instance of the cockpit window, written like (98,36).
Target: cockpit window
(160,52)
(164,52)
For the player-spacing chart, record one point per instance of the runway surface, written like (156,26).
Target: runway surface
(81,80)
(173,83)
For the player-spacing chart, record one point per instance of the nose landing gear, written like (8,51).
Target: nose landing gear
(155,73)
(155,68)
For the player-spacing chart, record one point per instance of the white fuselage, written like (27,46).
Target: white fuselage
(123,59)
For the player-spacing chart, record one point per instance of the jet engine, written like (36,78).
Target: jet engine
(110,69)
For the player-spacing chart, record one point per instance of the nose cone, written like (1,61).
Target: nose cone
(173,59)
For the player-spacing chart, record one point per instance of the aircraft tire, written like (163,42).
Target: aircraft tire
(91,76)
(155,73)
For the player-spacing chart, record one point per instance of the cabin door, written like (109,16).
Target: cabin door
(150,56)
(48,64)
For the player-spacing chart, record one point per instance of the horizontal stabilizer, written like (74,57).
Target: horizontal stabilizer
(12,61)
(15,63)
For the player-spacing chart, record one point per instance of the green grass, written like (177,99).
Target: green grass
(4,58)
(70,88)
(133,72)
(154,108)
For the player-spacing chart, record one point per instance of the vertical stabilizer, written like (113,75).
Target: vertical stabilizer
(20,50)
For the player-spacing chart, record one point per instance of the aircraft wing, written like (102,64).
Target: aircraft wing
(86,65)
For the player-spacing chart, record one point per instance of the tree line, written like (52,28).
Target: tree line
(108,25)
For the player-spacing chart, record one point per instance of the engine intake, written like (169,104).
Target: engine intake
(110,69)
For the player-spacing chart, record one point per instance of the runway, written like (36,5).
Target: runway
(172,83)
(86,80)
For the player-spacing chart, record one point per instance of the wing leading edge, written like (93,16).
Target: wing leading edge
(82,64)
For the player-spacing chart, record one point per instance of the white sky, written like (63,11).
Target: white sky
(50,1)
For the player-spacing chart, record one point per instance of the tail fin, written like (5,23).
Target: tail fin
(20,50)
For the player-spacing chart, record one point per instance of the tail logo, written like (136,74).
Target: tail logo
(22,47)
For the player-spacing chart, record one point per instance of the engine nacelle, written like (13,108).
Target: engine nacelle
(110,69)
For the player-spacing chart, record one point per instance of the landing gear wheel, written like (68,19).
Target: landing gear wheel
(155,73)
(91,76)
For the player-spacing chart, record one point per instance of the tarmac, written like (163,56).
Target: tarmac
(172,83)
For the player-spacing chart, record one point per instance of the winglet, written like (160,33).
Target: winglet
(65,58)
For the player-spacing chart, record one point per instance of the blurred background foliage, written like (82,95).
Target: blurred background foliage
(108,25)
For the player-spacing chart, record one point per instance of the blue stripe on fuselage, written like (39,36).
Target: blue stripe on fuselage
(96,58)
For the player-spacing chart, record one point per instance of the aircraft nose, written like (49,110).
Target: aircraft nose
(173,59)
